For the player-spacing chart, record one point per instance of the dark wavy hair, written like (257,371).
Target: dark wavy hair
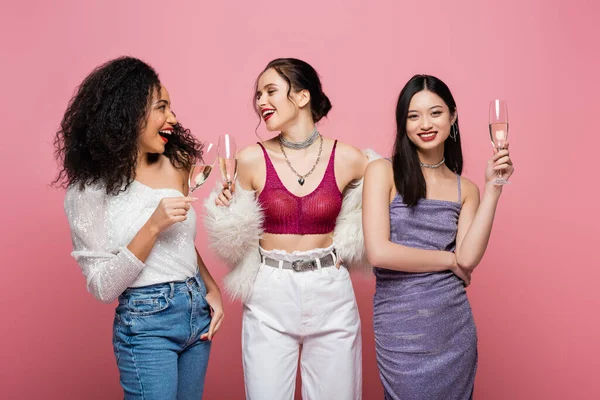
(408,176)
(98,135)
(299,75)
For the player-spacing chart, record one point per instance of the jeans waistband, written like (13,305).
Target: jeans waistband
(167,287)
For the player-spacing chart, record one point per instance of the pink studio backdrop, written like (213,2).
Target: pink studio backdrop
(535,294)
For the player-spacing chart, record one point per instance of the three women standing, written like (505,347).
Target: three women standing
(290,227)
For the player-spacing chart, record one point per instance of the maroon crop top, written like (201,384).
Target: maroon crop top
(312,214)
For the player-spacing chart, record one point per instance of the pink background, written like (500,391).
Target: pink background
(535,294)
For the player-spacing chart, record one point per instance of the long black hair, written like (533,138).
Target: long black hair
(98,135)
(299,75)
(408,176)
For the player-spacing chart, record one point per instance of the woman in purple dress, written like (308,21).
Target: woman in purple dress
(425,231)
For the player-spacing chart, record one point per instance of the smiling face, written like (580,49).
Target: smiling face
(158,124)
(275,107)
(429,120)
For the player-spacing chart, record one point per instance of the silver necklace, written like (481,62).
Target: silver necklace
(299,145)
(302,178)
(433,165)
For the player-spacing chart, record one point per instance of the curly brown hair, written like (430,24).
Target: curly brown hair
(98,135)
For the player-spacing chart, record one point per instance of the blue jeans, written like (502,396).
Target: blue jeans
(157,342)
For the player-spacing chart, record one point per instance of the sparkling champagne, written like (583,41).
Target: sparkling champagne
(228,168)
(499,134)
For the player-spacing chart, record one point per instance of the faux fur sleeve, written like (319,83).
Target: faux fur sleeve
(234,231)
(348,235)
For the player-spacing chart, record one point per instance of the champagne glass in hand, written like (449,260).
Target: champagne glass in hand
(202,167)
(499,131)
(227,159)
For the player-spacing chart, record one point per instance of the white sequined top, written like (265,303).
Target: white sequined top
(103,225)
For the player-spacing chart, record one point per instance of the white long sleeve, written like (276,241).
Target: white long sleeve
(101,228)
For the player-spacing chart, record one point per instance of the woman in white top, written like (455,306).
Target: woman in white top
(125,161)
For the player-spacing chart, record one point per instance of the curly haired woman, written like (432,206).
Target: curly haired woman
(125,161)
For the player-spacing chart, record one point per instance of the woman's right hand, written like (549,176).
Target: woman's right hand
(462,273)
(169,211)
(224,198)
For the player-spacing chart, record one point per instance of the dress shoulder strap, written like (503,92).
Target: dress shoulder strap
(459,191)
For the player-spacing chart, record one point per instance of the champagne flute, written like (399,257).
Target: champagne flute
(227,159)
(499,131)
(202,167)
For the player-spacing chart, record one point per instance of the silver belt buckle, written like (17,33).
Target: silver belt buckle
(301,265)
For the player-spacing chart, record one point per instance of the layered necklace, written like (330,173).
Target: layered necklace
(283,142)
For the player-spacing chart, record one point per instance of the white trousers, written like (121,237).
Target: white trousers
(311,315)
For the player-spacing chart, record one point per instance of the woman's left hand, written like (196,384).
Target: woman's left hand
(499,164)
(213,298)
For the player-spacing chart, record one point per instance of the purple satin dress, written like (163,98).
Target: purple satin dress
(425,335)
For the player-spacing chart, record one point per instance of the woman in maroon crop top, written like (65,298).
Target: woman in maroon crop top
(297,294)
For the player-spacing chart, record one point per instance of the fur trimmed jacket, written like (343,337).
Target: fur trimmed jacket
(234,233)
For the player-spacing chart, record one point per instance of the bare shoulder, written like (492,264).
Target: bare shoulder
(250,154)
(350,153)
(379,179)
(355,162)
(378,169)
(251,167)
(469,189)
(173,174)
